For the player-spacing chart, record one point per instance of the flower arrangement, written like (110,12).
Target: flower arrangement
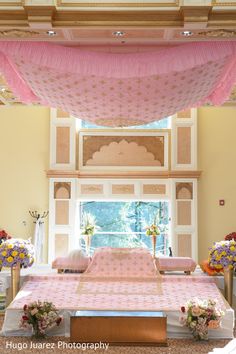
(40,316)
(16,251)
(231,236)
(201,315)
(152,230)
(89,224)
(4,236)
(223,254)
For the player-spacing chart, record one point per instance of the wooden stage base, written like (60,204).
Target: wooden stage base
(119,327)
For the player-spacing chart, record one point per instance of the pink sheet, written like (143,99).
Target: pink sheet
(120,89)
(77,292)
(108,261)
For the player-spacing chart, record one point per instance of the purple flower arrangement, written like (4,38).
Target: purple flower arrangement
(223,254)
(16,251)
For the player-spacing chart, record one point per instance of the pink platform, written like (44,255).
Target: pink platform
(165,293)
(121,280)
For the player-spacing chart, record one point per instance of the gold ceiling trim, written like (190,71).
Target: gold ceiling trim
(12,4)
(60,3)
(220,3)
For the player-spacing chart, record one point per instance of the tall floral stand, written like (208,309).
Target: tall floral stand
(88,239)
(154,243)
(228,280)
(15,280)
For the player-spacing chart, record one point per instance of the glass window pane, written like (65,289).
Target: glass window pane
(122,224)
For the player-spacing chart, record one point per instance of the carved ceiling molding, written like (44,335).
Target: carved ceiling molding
(18,33)
(220,33)
(166,13)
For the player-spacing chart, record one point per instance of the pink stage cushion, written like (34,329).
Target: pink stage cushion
(176,263)
(108,261)
(120,89)
(76,260)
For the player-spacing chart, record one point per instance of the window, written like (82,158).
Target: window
(122,224)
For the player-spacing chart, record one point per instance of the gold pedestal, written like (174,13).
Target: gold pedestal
(228,278)
(88,243)
(15,280)
(154,242)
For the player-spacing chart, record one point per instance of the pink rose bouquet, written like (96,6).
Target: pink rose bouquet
(201,315)
(40,316)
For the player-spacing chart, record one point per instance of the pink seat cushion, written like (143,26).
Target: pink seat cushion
(76,260)
(176,263)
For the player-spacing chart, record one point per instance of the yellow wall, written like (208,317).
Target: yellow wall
(217,160)
(24,157)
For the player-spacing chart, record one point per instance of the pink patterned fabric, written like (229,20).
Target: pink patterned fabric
(68,263)
(144,294)
(108,261)
(176,263)
(120,89)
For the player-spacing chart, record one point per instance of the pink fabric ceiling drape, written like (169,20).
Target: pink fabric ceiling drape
(120,89)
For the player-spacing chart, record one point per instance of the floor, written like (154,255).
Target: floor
(25,345)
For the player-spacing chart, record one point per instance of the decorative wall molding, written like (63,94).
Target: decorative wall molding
(129,174)
(128,150)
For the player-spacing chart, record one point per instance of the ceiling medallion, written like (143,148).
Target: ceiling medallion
(220,33)
(18,33)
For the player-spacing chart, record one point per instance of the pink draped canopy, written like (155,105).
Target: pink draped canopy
(125,89)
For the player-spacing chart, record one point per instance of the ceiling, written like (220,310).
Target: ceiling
(146,24)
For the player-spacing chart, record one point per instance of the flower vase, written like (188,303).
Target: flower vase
(228,279)
(36,334)
(154,242)
(88,243)
(15,280)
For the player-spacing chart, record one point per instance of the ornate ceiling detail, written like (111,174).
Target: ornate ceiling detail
(220,33)
(48,14)
(18,33)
